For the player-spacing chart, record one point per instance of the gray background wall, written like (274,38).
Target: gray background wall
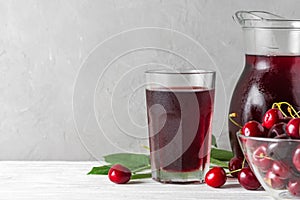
(55,53)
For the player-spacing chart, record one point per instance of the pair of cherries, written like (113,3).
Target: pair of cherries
(216,177)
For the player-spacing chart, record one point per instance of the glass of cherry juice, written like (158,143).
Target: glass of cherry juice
(180,106)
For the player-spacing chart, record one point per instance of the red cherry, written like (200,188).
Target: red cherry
(281,150)
(296,158)
(247,179)
(234,164)
(277,130)
(119,174)
(274,181)
(293,128)
(272,117)
(215,177)
(261,159)
(294,187)
(281,169)
(254,129)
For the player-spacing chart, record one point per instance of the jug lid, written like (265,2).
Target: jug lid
(263,19)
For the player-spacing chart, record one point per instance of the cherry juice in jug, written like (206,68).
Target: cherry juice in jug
(265,80)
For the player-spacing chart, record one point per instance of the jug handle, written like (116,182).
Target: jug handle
(241,16)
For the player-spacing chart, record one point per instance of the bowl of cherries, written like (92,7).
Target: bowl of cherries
(272,149)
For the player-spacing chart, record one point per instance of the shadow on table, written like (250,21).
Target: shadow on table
(135,182)
(235,185)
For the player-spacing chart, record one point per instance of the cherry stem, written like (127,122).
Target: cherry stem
(243,163)
(140,176)
(231,116)
(293,113)
(263,156)
(146,147)
(237,170)
(231,172)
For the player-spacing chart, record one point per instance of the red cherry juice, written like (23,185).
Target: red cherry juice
(265,80)
(179,121)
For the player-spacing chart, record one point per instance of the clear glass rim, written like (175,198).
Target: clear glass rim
(239,135)
(180,71)
(265,20)
(286,24)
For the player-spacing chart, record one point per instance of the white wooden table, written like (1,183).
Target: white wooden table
(68,180)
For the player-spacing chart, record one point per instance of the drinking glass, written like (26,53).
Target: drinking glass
(180,107)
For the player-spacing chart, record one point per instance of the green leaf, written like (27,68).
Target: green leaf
(129,160)
(218,162)
(221,154)
(214,141)
(102,170)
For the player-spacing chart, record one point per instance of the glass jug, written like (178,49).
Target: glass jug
(272,68)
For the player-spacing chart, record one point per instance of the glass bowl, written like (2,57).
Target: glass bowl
(275,163)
